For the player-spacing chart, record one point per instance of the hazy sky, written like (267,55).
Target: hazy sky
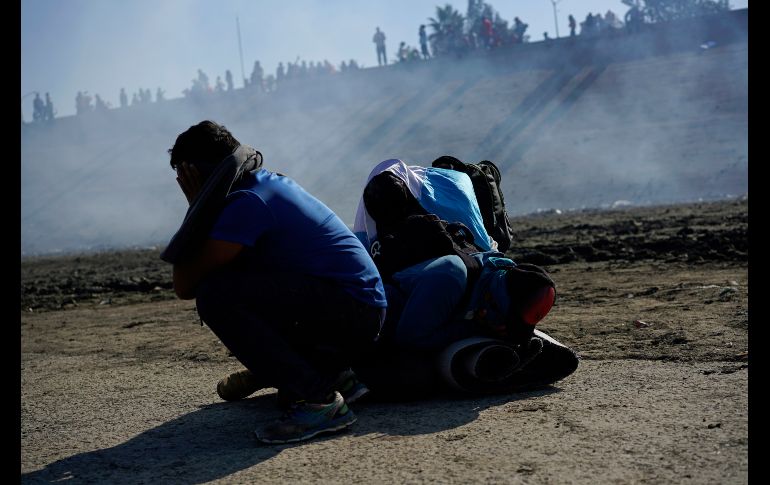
(99,46)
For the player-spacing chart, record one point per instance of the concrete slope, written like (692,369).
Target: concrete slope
(646,118)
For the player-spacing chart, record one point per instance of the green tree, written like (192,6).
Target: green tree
(447,30)
(474,12)
(665,10)
(474,18)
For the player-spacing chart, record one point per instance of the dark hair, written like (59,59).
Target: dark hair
(205,143)
(389,201)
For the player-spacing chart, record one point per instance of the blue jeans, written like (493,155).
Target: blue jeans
(422,304)
(294,332)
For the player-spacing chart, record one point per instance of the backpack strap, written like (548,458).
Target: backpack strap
(501,230)
(485,177)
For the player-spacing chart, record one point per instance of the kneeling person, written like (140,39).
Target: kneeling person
(278,277)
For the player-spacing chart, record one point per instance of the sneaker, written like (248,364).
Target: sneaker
(347,385)
(238,385)
(350,387)
(304,420)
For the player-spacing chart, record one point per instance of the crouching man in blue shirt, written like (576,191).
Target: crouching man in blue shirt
(279,278)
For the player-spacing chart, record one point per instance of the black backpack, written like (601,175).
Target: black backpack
(485,177)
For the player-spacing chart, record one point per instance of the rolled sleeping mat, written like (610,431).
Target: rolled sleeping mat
(491,362)
(491,366)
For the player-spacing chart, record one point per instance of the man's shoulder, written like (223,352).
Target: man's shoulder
(271,185)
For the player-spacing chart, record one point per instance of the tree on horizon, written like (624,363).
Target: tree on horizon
(667,10)
(448,27)
(477,11)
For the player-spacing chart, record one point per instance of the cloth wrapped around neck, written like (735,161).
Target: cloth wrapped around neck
(207,205)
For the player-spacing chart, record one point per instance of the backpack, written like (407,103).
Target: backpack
(421,237)
(485,177)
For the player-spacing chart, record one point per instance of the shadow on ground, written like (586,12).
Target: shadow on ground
(217,440)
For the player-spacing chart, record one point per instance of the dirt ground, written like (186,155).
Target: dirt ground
(118,377)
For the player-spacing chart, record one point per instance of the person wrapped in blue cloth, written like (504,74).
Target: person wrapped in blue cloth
(446,283)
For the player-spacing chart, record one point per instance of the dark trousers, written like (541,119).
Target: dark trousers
(295,332)
(382,58)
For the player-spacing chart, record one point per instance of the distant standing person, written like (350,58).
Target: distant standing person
(48,108)
(123,98)
(572,25)
(229,79)
(203,80)
(38,108)
(100,104)
(256,75)
(424,43)
(279,74)
(519,28)
(488,33)
(379,41)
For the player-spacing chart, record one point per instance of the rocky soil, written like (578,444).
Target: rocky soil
(118,377)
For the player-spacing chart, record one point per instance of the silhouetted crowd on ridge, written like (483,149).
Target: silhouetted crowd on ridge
(483,29)
(453,35)
(257,81)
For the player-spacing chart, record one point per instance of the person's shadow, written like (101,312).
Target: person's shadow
(218,440)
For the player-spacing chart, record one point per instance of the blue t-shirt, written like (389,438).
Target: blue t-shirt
(289,230)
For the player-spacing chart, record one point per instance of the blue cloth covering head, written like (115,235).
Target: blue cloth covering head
(447,193)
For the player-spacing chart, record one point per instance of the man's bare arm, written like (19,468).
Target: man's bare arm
(213,255)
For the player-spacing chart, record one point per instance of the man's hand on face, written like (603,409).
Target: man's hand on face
(189,179)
